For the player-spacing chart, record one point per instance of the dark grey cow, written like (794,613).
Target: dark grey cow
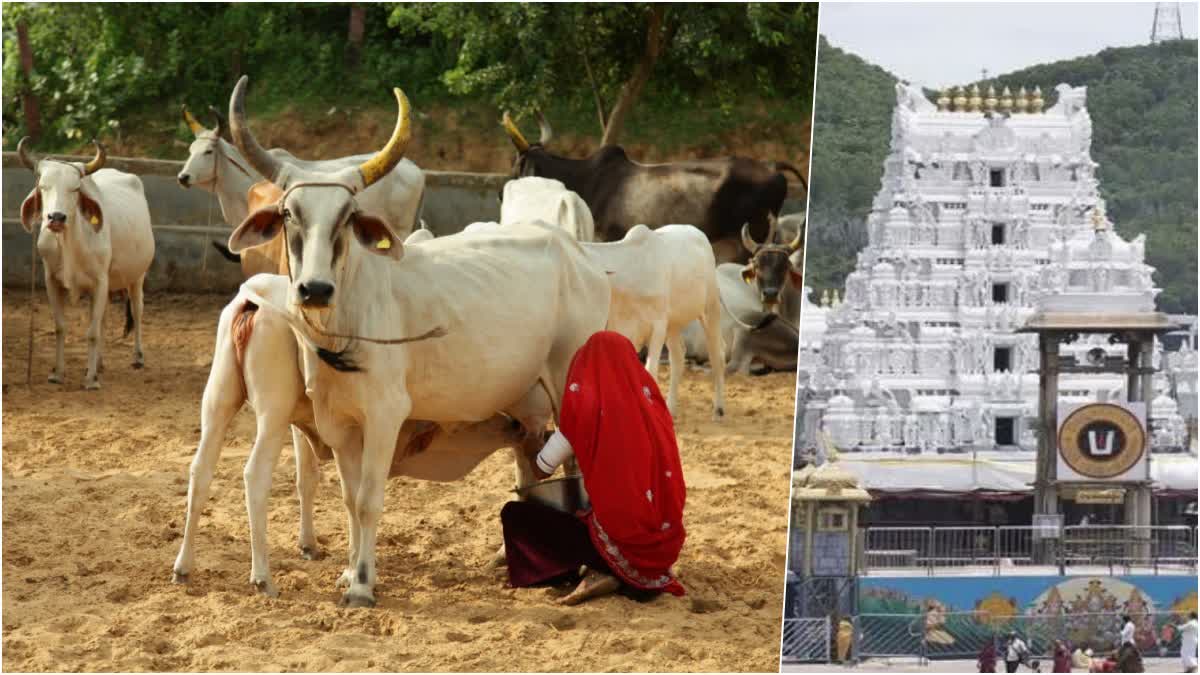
(717,196)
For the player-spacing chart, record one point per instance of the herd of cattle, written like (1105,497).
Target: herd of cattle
(355,326)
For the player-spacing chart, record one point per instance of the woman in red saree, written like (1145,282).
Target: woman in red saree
(615,421)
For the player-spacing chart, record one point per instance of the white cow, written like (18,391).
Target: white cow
(96,237)
(257,361)
(527,300)
(662,280)
(216,166)
(532,198)
(749,332)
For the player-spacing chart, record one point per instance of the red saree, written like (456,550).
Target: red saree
(623,438)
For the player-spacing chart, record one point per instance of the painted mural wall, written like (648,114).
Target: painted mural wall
(1080,609)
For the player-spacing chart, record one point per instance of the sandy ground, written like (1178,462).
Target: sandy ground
(94,486)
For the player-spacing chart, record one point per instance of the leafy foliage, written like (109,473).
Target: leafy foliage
(1143,106)
(530,55)
(125,68)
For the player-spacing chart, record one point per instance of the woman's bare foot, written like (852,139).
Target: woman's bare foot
(593,585)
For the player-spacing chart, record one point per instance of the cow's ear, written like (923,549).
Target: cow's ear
(797,276)
(748,274)
(376,236)
(91,210)
(257,229)
(31,210)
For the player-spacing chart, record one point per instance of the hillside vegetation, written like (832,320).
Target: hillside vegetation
(1143,106)
(721,79)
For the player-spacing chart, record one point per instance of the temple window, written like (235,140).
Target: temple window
(831,520)
(1000,293)
(997,234)
(997,177)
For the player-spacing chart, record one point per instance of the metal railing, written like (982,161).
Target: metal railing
(806,640)
(963,635)
(1119,548)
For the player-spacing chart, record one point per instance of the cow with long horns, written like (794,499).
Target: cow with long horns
(521,302)
(215,165)
(95,238)
(774,267)
(717,196)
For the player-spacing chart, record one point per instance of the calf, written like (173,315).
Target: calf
(96,238)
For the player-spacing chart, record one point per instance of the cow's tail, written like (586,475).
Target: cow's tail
(128,316)
(226,253)
(786,166)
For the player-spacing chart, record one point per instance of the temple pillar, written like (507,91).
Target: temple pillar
(1045,492)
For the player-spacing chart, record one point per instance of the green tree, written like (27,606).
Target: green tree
(525,56)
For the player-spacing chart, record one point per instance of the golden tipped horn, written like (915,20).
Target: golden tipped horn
(386,159)
(514,133)
(192,122)
(97,162)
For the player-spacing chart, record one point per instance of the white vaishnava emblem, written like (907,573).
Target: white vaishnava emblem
(1106,444)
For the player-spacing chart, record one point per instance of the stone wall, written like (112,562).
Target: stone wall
(186,221)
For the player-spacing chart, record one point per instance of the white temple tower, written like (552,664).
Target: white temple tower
(982,192)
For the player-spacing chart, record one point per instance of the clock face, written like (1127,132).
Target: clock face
(1101,440)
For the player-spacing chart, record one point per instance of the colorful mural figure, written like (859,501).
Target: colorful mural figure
(956,612)
(1084,611)
(996,609)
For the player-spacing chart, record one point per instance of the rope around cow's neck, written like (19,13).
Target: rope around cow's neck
(743,324)
(439,331)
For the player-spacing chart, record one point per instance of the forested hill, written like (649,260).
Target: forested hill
(1143,106)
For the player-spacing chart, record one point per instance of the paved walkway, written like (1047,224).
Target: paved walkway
(1153,665)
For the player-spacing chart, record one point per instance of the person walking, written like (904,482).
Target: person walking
(1129,658)
(987,658)
(1015,652)
(1187,643)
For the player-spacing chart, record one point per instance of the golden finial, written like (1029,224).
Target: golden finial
(975,101)
(1022,102)
(825,298)
(1099,222)
(943,102)
(1035,105)
(990,102)
(960,99)
(1006,100)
